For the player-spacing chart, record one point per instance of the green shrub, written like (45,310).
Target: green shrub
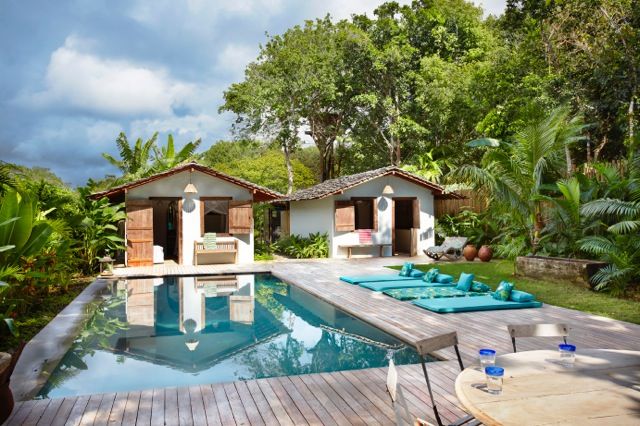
(314,246)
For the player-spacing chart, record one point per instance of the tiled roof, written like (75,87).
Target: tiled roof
(337,185)
(263,193)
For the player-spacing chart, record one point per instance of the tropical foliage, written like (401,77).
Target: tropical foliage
(315,245)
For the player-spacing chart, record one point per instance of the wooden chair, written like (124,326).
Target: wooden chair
(537,330)
(431,344)
(451,248)
(403,416)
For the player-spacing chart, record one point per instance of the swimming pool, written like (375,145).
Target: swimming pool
(182,331)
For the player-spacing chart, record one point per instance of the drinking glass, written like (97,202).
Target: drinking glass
(487,358)
(567,354)
(494,379)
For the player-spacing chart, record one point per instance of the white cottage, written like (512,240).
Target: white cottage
(169,212)
(381,212)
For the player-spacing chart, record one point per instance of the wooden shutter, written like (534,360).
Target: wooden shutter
(416,213)
(375,215)
(240,217)
(139,233)
(345,216)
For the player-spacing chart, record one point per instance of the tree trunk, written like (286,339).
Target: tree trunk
(567,153)
(287,160)
(631,117)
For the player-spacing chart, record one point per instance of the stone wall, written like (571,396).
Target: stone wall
(578,271)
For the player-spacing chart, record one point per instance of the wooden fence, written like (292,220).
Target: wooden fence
(474,201)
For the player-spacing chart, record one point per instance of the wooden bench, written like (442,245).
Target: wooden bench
(350,247)
(225,249)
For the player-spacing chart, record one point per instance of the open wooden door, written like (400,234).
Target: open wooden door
(139,233)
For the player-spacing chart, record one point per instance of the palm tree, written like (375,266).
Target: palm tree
(134,160)
(513,175)
(166,157)
(619,214)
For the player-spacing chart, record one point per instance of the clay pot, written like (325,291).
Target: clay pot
(6,402)
(485,253)
(7,364)
(470,252)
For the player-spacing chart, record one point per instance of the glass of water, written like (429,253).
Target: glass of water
(567,354)
(495,375)
(487,358)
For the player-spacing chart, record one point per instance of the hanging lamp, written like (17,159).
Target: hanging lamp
(190,188)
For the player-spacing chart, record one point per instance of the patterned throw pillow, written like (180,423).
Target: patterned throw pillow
(503,291)
(431,275)
(465,281)
(479,287)
(406,269)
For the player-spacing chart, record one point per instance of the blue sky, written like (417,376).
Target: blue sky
(75,72)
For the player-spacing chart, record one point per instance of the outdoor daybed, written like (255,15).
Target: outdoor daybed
(451,248)
(387,285)
(469,304)
(430,292)
(359,279)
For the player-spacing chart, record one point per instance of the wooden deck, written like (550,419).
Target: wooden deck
(347,397)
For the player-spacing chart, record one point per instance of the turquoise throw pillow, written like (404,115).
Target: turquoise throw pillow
(416,273)
(503,291)
(444,279)
(521,296)
(406,269)
(479,287)
(431,275)
(465,281)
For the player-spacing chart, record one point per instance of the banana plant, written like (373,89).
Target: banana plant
(21,233)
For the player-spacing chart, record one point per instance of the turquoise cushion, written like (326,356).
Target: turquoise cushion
(465,281)
(444,278)
(479,287)
(426,292)
(357,279)
(406,269)
(431,275)
(381,286)
(521,296)
(468,304)
(416,273)
(503,291)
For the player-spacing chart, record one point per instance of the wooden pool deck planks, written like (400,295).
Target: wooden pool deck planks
(346,397)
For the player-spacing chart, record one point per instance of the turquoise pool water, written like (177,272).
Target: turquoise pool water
(180,331)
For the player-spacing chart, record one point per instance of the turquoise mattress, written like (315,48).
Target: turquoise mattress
(382,286)
(357,279)
(468,304)
(425,292)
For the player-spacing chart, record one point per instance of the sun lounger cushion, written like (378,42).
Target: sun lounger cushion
(357,279)
(416,273)
(468,304)
(382,286)
(465,281)
(427,292)
(503,291)
(521,296)
(479,287)
(406,269)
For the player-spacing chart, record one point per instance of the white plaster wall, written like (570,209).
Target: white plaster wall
(306,217)
(318,215)
(208,186)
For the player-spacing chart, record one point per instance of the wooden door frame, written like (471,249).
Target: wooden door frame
(393,221)
(179,220)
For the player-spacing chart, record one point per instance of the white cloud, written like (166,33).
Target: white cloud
(234,58)
(89,83)
(189,127)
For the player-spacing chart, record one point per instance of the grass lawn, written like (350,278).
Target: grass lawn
(557,293)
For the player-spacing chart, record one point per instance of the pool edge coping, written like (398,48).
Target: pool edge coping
(45,350)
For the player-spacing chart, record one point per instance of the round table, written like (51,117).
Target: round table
(602,388)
